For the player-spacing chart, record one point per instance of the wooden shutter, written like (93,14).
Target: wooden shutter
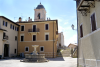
(93,22)
(81,31)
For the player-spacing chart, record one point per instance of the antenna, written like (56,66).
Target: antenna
(15,18)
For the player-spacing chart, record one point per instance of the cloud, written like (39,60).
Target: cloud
(72,39)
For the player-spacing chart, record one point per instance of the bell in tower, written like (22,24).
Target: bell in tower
(40,13)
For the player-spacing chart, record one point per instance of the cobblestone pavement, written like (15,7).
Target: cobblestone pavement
(53,62)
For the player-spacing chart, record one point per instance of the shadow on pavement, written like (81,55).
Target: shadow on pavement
(11,59)
(56,59)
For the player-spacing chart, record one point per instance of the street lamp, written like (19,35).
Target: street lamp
(73,27)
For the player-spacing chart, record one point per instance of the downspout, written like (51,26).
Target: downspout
(77,38)
(53,39)
(17,39)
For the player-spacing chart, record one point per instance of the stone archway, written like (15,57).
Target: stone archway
(6,50)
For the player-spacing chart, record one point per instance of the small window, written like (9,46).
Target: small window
(26,49)
(41,48)
(34,37)
(15,51)
(15,38)
(22,28)
(6,24)
(17,28)
(93,22)
(13,27)
(22,38)
(81,31)
(10,26)
(4,34)
(3,23)
(46,37)
(46,27)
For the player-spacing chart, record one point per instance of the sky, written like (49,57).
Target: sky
(62,10)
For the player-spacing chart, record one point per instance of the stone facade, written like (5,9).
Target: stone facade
(88,21)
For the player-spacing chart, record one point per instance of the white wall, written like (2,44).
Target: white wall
(11,34)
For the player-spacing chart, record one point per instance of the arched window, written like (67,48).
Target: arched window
(39,16)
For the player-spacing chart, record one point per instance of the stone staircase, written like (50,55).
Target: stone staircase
(65,53)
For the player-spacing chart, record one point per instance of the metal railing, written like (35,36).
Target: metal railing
(5,37)
(32,30)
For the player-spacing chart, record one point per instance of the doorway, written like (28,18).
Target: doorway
(6,50)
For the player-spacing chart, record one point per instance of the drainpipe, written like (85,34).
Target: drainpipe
(53,39)
(77,38)
(17,40)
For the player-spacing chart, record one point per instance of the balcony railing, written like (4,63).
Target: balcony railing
(5,37)
(82,1)
(32,30)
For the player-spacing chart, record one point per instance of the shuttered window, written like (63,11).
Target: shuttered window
(22,38)
(81,31)
(13,27)
(10,26)
(46,27)
(47,37)
(6,24)
(93,22)
(34,37)
(3,23)
(22,28)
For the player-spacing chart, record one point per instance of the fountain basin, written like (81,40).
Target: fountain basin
(35,58)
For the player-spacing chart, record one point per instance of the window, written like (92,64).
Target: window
(10,26)
(34,37)
(26,49)
(6,24)
(46,37)
(17,28)
(15,51)
(22,28)
(46,27)
(13,27)
(4,34)
(22,38)
(41,48)
(3,23)
(93,22)
(81,31)
(15,38)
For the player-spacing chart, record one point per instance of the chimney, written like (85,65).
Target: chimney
(20,19)
(49,18)
(29,19)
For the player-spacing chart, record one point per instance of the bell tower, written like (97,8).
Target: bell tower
(40,13)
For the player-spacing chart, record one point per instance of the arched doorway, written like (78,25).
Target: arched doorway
(6,50)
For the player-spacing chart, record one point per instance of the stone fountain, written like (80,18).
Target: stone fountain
(35,57)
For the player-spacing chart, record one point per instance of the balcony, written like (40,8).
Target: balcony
(5,38)
(84,6)
(33,31)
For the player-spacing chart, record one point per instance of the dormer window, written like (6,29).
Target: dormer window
(39,16)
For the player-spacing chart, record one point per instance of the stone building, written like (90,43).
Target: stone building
(8,37)
(88,21)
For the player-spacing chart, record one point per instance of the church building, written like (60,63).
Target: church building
(40,32)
